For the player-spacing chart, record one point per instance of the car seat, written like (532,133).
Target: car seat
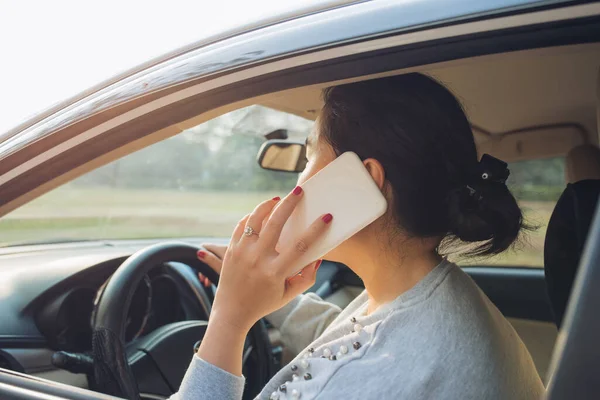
(565,238)
(569,225)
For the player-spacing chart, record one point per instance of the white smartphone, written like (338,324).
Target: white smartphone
(343,188)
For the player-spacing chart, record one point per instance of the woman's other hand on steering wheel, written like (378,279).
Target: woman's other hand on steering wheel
(212,255)
(255,278)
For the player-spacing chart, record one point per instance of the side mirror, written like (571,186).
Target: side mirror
(282,155)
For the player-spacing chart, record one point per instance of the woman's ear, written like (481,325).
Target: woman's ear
(376,170)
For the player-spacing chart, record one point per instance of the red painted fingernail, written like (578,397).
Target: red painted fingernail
(297,190)
(318,264)
(276,198)
(206,282)
(201,254)
(327,218)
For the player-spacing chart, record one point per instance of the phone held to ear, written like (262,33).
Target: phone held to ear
(343,188)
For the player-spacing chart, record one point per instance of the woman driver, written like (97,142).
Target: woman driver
(422,329)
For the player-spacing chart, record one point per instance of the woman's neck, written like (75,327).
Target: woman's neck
(389,271)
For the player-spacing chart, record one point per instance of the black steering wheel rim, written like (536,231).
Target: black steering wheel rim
(112,373)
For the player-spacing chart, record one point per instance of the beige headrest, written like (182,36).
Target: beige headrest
(582,162)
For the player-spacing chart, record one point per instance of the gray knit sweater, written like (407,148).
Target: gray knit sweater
(443,339)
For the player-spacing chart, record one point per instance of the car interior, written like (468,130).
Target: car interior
(535,104)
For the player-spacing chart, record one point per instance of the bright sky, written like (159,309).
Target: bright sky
(53,49)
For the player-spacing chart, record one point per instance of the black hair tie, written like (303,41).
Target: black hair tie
(489,170)
(492,169)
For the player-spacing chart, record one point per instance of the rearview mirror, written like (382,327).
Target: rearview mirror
(282,155)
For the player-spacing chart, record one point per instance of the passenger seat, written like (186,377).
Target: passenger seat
(569,225)
(565,238)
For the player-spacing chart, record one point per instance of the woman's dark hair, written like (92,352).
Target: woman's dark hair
(418,131)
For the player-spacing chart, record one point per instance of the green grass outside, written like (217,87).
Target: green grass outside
(126,214)
(76,213)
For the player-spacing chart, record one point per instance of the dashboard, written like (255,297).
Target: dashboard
(48,296)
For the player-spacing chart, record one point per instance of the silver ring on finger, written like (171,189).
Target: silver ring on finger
(248,231)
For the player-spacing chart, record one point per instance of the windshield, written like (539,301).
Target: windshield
(196,184)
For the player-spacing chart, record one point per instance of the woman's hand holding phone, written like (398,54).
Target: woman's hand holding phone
(254,277)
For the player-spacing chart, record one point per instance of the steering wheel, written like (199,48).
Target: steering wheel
(164,354)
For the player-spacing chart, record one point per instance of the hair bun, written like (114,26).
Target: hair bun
(484,212)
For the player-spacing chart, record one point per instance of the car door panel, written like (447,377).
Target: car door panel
(517,292)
